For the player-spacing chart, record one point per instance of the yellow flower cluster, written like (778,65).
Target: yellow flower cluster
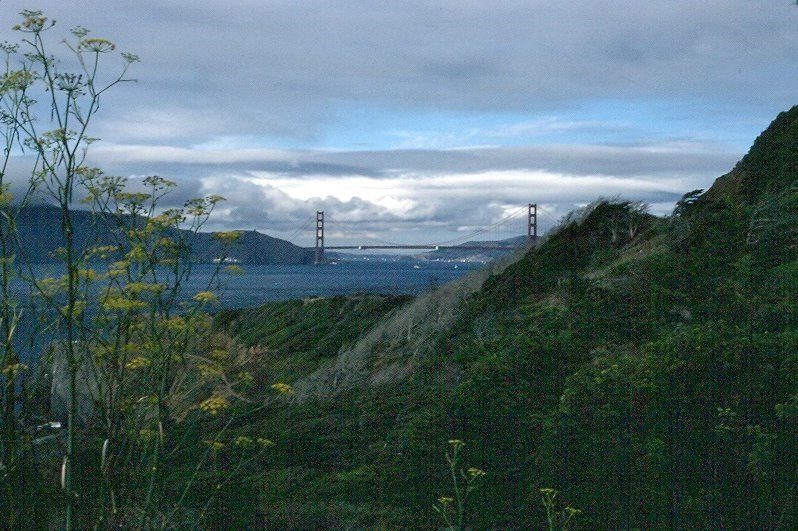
(227,237)
(244,441)
(116,303)
(50,286)
(96,45)
(118,268)
(245,377)
(234,270)
(11,370)
(176,324)
(209,371)
(456,443)
(5,196)
(215,445)
(137,288)
(206,297)
(136,254)
(214,405)
(475,473)
(282,388)
(139,362)
(102,251)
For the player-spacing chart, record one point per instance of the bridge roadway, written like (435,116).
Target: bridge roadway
(421,246)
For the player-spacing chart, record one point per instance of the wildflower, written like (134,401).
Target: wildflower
(77,309)
(137,288)
(5,196)
(209,371)
(176,324)
(227,237)
(96,45)
(79,32)
(71,83)
(11,370)
(102,251)
(206,297)
(283,388)
(34,22)
(137,254)
(234,270)
(139,362)
(115,303)
(118,268)
(130,57)
(474,472)
(214,445)
(214,404)
(16,80)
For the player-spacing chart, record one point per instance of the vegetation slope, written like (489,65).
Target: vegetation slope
(646,368)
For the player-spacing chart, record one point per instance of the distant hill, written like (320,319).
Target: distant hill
(39,229)
(253,248)
(476,255)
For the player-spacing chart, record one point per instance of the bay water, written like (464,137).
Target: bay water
(260,284)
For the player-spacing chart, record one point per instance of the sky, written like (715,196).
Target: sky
(422,121)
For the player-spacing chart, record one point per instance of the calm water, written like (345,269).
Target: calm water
(261,284)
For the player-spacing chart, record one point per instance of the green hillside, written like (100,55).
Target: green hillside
(646,368)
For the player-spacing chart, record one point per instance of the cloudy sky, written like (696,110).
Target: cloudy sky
(420,121)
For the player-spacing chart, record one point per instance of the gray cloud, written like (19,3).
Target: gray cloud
(281,67)
(219,81)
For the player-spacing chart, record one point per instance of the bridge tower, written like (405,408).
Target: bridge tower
(532,223)
(319,237)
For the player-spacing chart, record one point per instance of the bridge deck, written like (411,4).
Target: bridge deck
(422,246)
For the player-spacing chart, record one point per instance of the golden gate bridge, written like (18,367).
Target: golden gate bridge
(531,236)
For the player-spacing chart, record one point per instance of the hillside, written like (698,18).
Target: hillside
(39,229)
(646,368)
(472,255)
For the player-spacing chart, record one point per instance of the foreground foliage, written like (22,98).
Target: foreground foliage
(629,372)
(130,430)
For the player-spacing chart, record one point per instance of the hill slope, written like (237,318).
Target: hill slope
(40,233)
(646,368)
